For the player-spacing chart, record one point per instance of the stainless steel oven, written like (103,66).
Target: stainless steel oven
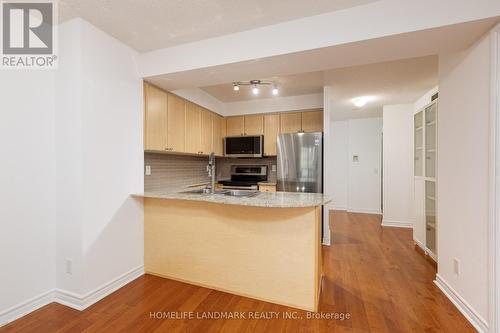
(243,146)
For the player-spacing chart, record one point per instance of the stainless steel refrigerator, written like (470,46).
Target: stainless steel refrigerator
(300,162)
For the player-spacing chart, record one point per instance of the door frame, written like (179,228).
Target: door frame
(494,195)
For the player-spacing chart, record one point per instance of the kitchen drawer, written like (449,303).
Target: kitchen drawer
(267,188)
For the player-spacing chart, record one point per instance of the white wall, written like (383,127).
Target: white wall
(27,217)
(462,179)
(106,232)
(365,140)
(316,32)
(275,104)
(261,105)
(398,165)
(338,156)
(201,97)
(355,186)
(425,99)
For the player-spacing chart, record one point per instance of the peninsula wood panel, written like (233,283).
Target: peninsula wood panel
(312,121)
(193,128)
(155,118)
(271,131)
(235,126)
(272,254)
(206,132)
(254,125)
(176,123)
(291,122)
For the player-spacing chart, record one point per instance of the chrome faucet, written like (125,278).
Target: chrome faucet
(211,171)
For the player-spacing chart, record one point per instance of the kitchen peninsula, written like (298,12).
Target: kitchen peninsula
(266,247)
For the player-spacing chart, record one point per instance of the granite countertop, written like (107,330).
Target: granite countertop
(262,199)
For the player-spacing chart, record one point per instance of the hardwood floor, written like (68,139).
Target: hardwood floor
(372,274)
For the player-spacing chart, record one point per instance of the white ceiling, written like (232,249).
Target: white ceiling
(153,24)
(402,46)
(291,85)
(395,82)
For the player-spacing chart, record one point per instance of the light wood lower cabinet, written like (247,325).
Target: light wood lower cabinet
(176,124)
(155,118)
(312,121)
(193,128)
(271,131)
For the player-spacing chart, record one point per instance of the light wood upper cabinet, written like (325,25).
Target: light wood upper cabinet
(206,132)
(218,125)
(254,125)
(312,121)
(235,126)
(155,118)
(291,122)
(223,127)
(176,123)
(271,131)
(193,128)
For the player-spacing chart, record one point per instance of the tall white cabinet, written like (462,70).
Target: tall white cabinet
(425,157)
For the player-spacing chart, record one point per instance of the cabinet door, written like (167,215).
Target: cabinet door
(155,118)
(254,125)
(217,134)
(176,123)
(312,121)
(271,131)
(206,132)
(235,126)
(291,122)
(193,128)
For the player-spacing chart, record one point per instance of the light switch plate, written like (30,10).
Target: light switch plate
(148,170)
(456,266)
(273,168)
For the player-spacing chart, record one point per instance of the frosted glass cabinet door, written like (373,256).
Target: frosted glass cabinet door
(430,141)
(430,215)
(419,143)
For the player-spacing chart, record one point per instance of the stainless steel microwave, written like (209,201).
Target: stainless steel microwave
(243,146)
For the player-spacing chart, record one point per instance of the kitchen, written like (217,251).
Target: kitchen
(261,191)
(108,215)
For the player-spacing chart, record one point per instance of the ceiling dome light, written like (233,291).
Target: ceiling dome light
(361,101)
(275,90)
(236,87)
(255,90)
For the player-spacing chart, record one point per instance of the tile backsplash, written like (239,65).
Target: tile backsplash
(178,171)
(174,171)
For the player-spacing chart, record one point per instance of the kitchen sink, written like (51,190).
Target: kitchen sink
(205,191)
(241,193)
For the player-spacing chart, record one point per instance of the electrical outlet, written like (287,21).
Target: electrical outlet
(456,266)
(273,168)
(148,170)
(69,266)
